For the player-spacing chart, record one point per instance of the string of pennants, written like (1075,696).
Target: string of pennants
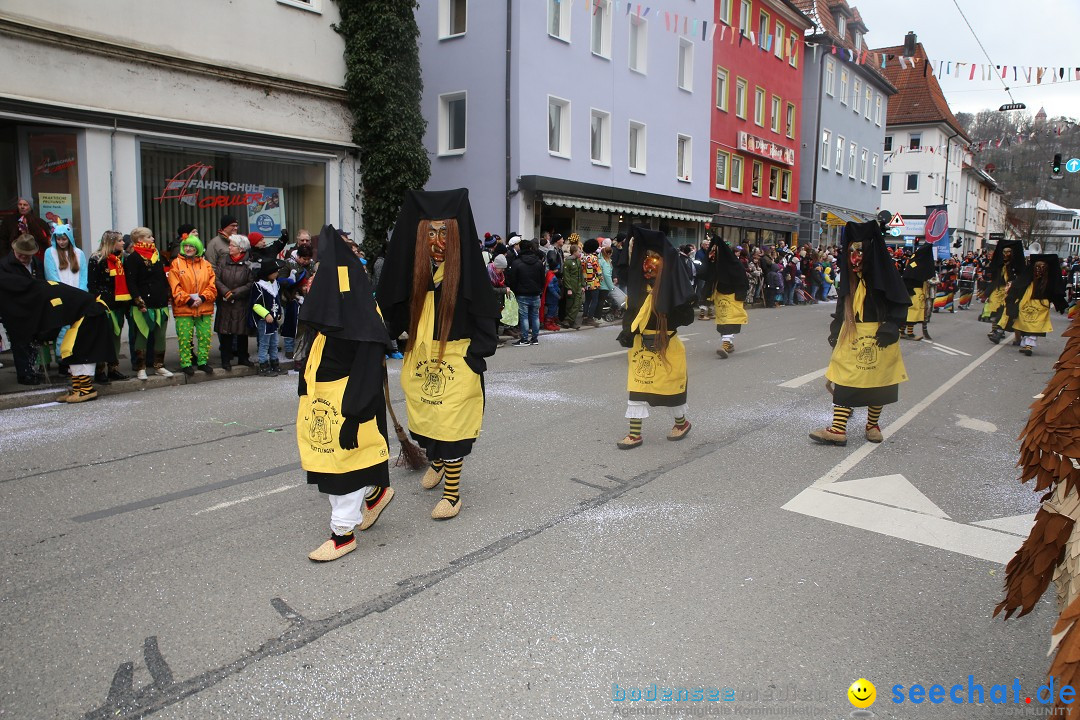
(708,29)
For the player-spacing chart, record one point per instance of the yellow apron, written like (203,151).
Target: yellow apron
(318,425)
(443,398)
(860,363)
(917,312)
(997,297)
(647,372)
(729,311)
(1034,315)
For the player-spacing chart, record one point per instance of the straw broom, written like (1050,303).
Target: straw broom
(412,455)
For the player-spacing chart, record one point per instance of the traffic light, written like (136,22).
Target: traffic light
(1055,167)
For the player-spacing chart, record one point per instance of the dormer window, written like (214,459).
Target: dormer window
(858,42)
(841,26)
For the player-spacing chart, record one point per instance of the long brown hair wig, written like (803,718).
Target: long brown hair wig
(421,282)
(661,337)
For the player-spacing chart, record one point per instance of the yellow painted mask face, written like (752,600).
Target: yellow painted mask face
(652,265)
(437,239)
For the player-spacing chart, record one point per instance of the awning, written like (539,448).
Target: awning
(839,218)
(750,216)
(592,205)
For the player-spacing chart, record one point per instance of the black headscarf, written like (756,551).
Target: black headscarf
(878,270)
(675,296)
(1016,265)
(395,283)
(920,267)
(339,303)
(726,271)
(1055,284)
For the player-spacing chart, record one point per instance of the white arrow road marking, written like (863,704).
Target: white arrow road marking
(947,352)
(894,490)
(1016,524)
(973,424)
(803,379)
(230,503)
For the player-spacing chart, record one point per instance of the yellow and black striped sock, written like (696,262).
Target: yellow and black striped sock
(373,494)
(452,480)
(840,415)
(873,414)
(82,384)
(680,422)
(910,328)
(437,465)
(635,428)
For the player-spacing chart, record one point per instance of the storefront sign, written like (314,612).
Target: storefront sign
(54,207)
(267,215)
(187,187)
(759,146)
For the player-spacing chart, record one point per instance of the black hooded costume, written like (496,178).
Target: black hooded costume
(341,420)
(918,270)
(866,367)
(445,407)
(728,283)
(652,378)
(1027,304)
(1000,276)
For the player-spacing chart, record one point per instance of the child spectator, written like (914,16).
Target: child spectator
(267,314)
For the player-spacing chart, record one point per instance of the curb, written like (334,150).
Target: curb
(38,396)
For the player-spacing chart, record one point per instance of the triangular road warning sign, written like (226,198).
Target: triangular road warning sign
(896,221)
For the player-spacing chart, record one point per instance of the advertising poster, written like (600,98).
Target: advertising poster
(267,213)
(54,207)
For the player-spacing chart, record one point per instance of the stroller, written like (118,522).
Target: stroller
(614,305)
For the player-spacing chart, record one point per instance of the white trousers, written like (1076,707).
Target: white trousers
(84,369)
(346,511)
(727,338)
(1028,340)
(639,409)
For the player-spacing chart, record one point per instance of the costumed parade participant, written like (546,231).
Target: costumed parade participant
(865,368)
(1006,264)
(1027,304)
(341,418)
(918,270)
(729,285)
(434,286)
(661,300)
(1049,451)
(36,309)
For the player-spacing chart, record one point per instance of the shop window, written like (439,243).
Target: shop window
(54,179)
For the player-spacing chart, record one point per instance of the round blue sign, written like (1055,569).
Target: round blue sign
(264,223)
(1073,165)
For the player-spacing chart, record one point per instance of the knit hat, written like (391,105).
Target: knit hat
(514,239)
(25,245)
(183,229)
(269,267)
(226,221)
(499,262)
(255,237)
(489,240)
(193,240)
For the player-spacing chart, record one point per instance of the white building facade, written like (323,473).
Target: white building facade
(127,113)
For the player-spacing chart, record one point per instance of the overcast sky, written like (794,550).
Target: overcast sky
(1026,33)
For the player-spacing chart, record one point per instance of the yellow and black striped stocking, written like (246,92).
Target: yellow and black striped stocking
(635,428)
(840,415)
(873,414)
(452,480)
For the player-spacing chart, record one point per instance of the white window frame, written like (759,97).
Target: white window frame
(877,109)
(604,118)
(760,96)
(741,96)
(838,158)
(724,12)
(685,70)
(722,97)
(446,16)
(856,97)
(774,182)
(758,171)
(873,170)
(763,15)
(793,42)
(843,86)
(785,186)
(601,19)
(826,148)
(868,95)
(564,126)
(563,31)
(886,182)
(830,77)
(746,9)
(853,154)
(915,138)
(778,40)
(640,62)
(864,158)
(733,176)
(444,123)
(641,146)
(858,41)
(721,168)
(841,26)
(790,118)
(776,106)
(314,6)
(888,143)
(684,158)
(907,182)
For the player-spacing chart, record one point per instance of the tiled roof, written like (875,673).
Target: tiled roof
(825,30)
(920,99)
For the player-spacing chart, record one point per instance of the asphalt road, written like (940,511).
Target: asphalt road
(155,546)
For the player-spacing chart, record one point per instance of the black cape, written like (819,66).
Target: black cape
(1055,286)
(920,266)
(346,313)
(675,296)
(726,273)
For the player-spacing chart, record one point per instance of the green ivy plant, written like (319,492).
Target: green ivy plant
(384,87)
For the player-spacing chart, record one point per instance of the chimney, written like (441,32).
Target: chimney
(909,43)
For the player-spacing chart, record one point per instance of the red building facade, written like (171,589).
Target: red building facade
(756,118)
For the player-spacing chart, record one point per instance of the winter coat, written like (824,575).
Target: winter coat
(572,274)
(147,280)
(526,277)
(217,248)
(232,312)
(52,268)
(192,276)
(605,269)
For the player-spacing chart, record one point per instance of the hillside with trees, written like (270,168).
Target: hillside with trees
(1017,149)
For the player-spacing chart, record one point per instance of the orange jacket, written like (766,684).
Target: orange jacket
(188,277)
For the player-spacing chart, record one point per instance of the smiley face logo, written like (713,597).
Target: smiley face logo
(862,693)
